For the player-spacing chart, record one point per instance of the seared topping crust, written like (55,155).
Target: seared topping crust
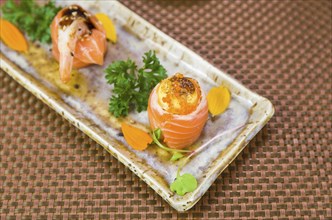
(179,95)
(184,85)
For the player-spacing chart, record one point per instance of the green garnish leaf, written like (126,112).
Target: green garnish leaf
(32,18)
(176,156)
(132,87)
(157,133)
(184,184)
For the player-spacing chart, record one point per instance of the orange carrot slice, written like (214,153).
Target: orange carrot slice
(135,137)
(12,37)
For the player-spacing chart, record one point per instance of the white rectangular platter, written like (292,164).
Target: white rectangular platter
(84,102)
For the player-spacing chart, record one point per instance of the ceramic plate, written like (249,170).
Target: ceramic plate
(84,102)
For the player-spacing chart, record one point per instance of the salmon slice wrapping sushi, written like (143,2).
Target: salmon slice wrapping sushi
(78,39)
(178,106)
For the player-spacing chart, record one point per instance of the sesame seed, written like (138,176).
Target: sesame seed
(74,13)
(75,7)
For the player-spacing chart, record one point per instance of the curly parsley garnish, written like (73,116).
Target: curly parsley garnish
(132,87)
(32,18)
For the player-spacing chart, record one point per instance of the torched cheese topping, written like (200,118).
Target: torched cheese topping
(179,95)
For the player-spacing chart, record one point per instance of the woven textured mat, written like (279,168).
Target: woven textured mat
(279,49)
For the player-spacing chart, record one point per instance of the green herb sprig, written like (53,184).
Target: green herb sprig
(132,87)
(156,136)
(32,18)
(182,184)
(187,182)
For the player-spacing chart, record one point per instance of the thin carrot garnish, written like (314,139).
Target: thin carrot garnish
(12,36)
(135,137)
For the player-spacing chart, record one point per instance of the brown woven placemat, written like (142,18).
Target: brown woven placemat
(279,49)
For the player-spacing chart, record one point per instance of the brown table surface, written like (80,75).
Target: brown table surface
(279,49)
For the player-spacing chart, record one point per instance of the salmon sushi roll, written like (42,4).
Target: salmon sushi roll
(178,106)
(78,39)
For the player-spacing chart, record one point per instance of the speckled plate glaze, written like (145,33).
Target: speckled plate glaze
(84,102)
